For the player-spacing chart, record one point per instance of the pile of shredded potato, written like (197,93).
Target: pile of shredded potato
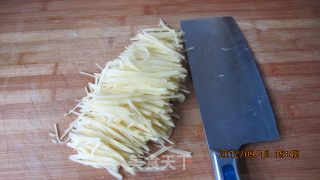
(130,104)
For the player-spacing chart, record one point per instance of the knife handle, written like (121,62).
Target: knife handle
(224,168)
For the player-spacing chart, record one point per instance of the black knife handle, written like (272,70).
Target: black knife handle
(224,168)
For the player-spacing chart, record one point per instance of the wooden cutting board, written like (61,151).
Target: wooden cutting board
(45,44)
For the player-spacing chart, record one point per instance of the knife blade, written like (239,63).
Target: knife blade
(233,100)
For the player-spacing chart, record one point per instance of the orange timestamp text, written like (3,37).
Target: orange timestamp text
(262,153)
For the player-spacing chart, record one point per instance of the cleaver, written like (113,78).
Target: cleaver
(233,101)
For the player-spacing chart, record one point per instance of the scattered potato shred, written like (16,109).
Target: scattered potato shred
(130,104)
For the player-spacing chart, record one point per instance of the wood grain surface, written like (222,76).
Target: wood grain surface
(45,44)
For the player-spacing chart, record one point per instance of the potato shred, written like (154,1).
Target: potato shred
(130,104)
